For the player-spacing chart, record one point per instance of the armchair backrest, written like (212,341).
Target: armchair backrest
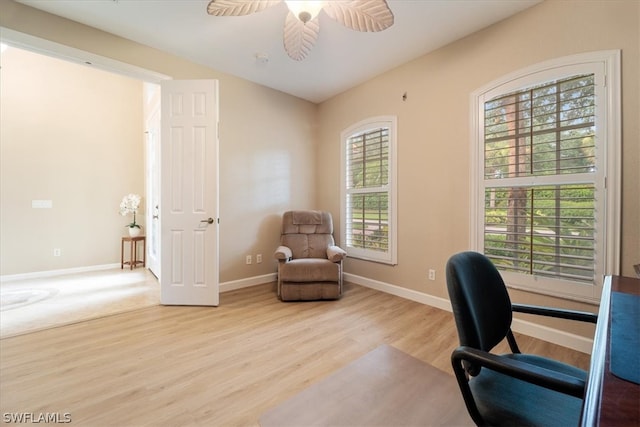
(479,298)
(307,233)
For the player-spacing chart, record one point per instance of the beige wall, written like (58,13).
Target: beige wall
(433,128)
(261,128)
(266,147)
(73,135)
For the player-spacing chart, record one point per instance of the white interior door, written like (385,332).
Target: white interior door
(189,193)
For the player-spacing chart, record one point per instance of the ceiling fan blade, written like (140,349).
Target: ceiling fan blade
(363,15)
(238,7)
(299,37)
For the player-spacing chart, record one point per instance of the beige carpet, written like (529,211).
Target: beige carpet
(385,387)
(34,304)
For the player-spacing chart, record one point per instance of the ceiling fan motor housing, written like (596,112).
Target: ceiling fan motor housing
(304,16)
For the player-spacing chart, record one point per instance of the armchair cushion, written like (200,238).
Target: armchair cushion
(307,245)
(307,222)
(310,270)
(306,217)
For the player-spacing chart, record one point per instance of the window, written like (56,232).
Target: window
(368,190)
(545,187)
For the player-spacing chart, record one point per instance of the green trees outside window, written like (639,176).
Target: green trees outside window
(539,165)
(367,174)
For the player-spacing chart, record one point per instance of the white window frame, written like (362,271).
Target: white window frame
(390,256)
(606,68)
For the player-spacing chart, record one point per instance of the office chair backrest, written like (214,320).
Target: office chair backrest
(481,304)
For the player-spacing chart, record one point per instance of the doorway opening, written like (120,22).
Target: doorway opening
(81,175)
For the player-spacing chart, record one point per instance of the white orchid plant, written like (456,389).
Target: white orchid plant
(130,205)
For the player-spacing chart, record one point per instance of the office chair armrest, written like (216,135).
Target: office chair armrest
(336,253)
(547,378)
(582,316)
(283,254)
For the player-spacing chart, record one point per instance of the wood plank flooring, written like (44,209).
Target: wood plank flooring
(217,366)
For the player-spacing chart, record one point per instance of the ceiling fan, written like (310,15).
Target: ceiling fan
(301,26)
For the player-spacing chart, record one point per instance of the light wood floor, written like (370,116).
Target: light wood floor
(223,366)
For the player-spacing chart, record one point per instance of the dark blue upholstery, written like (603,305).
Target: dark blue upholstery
(513,389)
(481,304)
(505,400)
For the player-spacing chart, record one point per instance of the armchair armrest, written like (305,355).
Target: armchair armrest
(581,316)
(283,253)
(547,378)
(336,253)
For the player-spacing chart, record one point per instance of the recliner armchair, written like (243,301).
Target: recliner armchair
(511,389)
(309,262)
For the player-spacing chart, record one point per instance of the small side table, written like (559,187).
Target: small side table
(133,252)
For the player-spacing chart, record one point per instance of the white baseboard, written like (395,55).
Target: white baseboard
(53,273)
(545,333)
(555,336)
(250,281)
(412,295)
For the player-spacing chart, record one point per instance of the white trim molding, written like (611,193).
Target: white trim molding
(54,273)
(399,291)
(545,333)
(49,48)
(248,282)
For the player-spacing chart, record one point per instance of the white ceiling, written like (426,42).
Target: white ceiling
(342,58)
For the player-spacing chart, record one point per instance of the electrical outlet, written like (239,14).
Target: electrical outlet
(258,258)
(248,260)
(57,252)
(432,274)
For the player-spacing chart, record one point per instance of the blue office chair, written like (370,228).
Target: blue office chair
(512,389)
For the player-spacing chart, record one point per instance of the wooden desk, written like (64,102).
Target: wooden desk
(609,400)
(133,252)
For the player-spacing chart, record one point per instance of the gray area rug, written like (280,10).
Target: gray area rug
(385,387)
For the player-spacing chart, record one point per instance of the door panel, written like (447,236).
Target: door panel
(189,159)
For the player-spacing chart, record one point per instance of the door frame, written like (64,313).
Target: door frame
(153,124)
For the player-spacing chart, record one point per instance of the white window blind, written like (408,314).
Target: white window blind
(545,168)
(539,179)
(368,202)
